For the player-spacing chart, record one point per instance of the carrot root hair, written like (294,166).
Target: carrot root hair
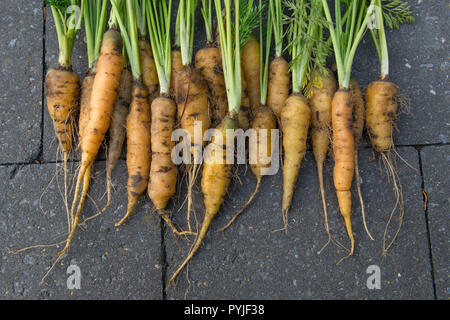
(85,175)
(392,174)
(249,201)
(172,226)
(200,236)
(132,201)
(361,201)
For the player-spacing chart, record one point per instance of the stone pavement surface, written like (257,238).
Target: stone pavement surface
(250,260)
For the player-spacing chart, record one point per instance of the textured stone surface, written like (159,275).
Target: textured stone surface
(435,161)
(115,263)
(21,27)
(252,261)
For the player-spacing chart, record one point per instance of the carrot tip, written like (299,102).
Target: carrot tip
(131,204)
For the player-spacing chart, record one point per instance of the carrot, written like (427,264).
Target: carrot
(216,178)
(279,78)
(177,62)
(131,21)
(244,111)
(163,172)
(86,89)
(209,61)
(103,97)
(251,59)
(138,146)
(295,115)
(382,104)
(264,121)
(192,100)
(358,128)
(343,150)
(216,175)
(193,107)
(381,114)
(62,87)
(149,74)
(94,34)
(295,119)
(323,89)
(262,124)
(177,66)
(191,95)
(278,84)
(351,30)
(117,128)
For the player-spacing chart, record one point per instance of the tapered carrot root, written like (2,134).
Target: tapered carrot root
(177,66)
(323,89)
(209,62)
(148,67)
(343,150)
(192,100)
(192,106)
(358,128)
(295,120)
(63,93)
(62,89)
(244,111)
(278,85)
(117,133)
(358,110)
(103,97)
(172,226)
(381,112)
(138,146)
(264,121)
(86,181)
(251,70)
(163,172)
(85,107)
(216,178)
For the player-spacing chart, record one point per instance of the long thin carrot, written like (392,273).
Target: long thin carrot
(351,31)
(191,96)
(216,175)
(62,87)
(263,122)
(296,113)
(163,171)
(103,97)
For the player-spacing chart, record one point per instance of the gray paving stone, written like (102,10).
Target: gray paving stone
(435,161)
(115,263)
(419,66)
(251,261)
(21,66)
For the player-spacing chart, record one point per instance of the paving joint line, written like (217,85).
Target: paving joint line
(40,155)
(427,223)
